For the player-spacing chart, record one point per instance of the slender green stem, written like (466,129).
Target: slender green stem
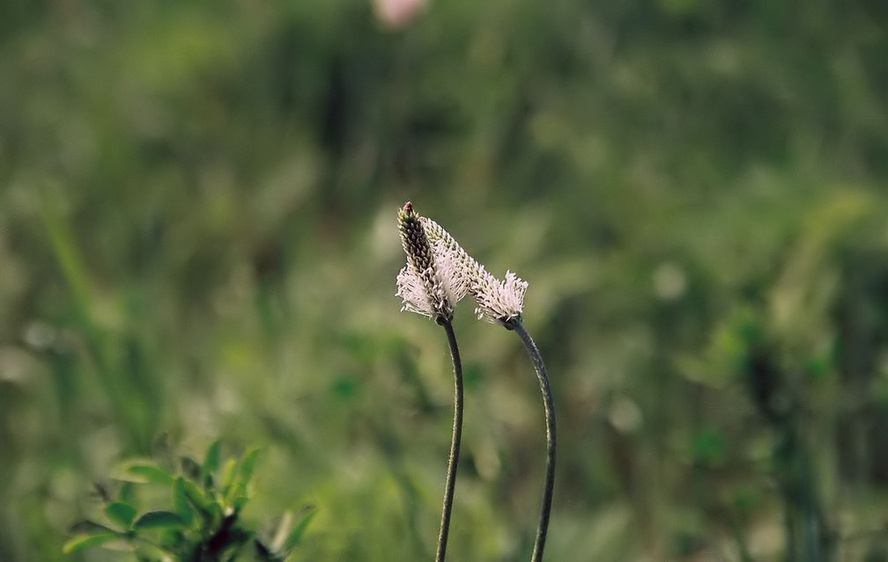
(453,461)
(549,406)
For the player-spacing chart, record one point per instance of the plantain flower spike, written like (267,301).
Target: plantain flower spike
(496,301)
(431,283)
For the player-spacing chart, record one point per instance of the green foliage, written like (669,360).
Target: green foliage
(205,522)
(196,240)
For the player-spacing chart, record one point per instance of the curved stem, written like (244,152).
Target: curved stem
(549,406)
(453,461)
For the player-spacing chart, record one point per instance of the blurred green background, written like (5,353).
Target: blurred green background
(198,241)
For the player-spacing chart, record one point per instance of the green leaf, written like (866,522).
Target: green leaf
(208,509)
(152,473)
(144,472)
(248,465)
(180,501)
(236,494)
(295,535)
(211,463)
(226,475)
(145,551)
(127,494)
(159,519)
(195,495)
(120,513)
(87,527)
(81,542)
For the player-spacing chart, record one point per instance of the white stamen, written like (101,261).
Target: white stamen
(497,301)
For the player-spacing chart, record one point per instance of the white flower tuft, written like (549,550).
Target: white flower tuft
(432,282)
(497,301)
(434,291)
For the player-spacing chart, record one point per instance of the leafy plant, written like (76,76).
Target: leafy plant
(202,521)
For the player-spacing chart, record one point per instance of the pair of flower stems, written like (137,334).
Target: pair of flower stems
(438,274)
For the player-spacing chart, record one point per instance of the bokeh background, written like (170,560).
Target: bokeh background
(198,242)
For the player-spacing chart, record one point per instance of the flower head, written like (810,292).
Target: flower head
(496,301)
(431,283)
(398,13)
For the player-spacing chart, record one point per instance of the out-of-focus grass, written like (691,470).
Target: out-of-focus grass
(197,242)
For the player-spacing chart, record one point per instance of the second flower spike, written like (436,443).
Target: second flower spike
(496,301)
